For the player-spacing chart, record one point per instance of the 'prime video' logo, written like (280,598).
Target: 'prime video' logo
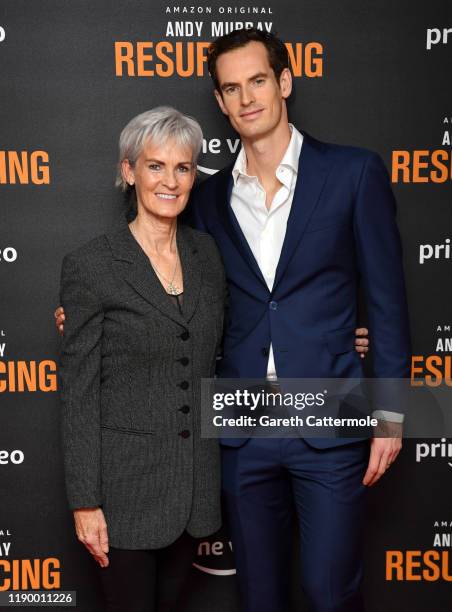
(217,146)
(434,450)
(436,36)
(215,558)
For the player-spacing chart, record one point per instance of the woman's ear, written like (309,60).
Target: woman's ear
(127,172)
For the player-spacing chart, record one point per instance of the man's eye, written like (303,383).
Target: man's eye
(231,90)
(259,81)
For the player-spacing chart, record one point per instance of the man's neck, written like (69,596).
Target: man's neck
(264,155)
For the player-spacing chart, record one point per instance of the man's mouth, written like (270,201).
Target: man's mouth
(251,114)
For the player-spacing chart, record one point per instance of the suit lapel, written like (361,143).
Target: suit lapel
(313,169)
(231,225)
(133,266)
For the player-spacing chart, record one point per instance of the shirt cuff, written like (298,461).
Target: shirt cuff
(386,415)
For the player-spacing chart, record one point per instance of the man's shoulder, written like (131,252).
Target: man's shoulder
(349,155)
(340,150)
(214,181)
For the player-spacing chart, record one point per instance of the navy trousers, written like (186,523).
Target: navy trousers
(260,479)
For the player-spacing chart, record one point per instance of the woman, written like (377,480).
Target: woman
(144,317)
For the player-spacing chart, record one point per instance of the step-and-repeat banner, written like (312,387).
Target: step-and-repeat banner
(371,74)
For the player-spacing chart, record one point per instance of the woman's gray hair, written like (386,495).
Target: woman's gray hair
(159,125)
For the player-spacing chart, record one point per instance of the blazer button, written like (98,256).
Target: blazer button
(185,409)
(184,335)
(184,433)
(184,361)
(273,305)
(265,352)
(184,385)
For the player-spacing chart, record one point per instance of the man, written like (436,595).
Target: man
(299,224)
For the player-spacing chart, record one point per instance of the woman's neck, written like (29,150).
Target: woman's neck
(155,235)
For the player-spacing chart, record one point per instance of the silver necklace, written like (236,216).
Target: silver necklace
(171,288)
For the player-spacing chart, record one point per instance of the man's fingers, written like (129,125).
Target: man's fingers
(393,456)
(376,454)
(361,342)
(369,476)
(371,471)
(383,465)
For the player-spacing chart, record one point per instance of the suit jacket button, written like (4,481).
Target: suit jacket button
(273,305)
(184,433)
(185,409)
(184,385)
(184,335)
(184,361)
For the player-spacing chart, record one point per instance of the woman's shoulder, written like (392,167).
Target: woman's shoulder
(210,255)
(202,240)
(89,255)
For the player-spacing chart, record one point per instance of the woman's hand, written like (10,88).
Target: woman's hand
(361,340)
(91,530)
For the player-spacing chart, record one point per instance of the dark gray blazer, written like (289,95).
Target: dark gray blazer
(131,368)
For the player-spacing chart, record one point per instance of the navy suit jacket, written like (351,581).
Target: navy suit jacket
(341,233)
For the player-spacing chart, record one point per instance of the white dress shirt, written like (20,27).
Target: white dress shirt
(265,229)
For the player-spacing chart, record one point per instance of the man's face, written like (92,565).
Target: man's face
(250,94)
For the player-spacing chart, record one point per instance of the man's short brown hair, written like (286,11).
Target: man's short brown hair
(278,56)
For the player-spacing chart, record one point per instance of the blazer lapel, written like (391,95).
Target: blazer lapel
(133,266)
(230,223)
(313,170)
(191,269)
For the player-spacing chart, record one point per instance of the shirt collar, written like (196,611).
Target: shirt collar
(290,157)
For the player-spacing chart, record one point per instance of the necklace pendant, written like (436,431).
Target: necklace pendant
(172,289)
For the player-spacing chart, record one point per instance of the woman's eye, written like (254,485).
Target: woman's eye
(154,167)
(184,169)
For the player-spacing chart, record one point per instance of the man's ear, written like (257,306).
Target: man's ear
(285,83)
(127,172)
(219,98)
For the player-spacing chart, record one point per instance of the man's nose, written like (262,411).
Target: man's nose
(246,96)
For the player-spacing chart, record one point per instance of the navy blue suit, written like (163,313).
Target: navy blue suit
(341,233)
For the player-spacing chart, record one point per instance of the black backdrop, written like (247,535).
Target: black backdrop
(373,74)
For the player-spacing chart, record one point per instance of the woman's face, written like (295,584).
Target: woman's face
(163,176)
